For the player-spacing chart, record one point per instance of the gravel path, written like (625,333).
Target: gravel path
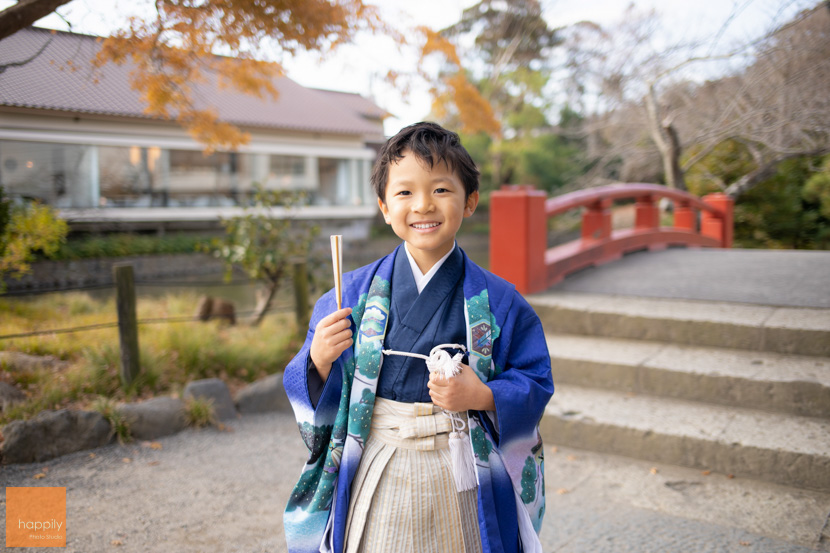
(224,491)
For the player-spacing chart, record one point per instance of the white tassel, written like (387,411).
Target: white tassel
(461,451)
(463,464)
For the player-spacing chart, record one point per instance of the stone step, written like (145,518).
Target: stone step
(784,449)
(792,384)
(800,331)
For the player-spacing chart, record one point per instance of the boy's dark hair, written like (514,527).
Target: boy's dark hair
(431,143)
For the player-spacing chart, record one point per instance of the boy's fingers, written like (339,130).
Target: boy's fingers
(341,337)
(345,344)
(331,318)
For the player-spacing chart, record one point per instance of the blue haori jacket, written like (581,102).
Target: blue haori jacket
(508,351)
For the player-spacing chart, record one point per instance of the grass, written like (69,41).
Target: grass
(118,423)
(171,355)
(199,412)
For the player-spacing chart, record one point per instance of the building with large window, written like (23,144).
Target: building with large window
(77,138)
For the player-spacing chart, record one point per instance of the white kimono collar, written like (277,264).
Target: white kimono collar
(421,279)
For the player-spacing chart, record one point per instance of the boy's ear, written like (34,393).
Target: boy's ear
(384,210)
(472,203)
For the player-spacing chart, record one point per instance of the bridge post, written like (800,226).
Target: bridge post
(684,216)
(647,213)
(719,228)
(518,237)
(596,220)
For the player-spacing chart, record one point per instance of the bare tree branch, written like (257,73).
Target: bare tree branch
(27,60)
(766,171)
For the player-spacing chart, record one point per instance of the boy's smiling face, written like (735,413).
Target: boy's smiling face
(425,207)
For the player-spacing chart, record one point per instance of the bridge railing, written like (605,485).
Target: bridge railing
(519,228)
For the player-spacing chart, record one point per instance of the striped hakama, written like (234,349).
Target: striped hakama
(404,497)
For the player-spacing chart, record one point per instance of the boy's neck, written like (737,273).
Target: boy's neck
(425,260)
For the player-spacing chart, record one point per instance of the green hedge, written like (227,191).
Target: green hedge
(123,245)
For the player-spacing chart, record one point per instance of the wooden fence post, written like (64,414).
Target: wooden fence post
(127,321)
(301,296)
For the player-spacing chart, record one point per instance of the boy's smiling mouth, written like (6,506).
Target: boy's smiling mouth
(424,226)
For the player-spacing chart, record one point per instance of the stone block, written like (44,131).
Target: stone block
(263,396)
(154,418)
(53,433)
(216,390)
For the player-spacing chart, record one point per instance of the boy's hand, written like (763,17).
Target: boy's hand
(332,336)
(463,392)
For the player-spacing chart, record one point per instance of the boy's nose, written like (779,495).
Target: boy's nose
(423,204)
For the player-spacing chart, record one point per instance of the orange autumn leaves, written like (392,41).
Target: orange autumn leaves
(451,90)
(225,40)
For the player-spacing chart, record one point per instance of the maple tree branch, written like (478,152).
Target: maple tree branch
(25,13)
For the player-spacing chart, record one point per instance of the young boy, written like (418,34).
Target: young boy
(379,476)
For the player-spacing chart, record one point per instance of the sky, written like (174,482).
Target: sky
(361,67)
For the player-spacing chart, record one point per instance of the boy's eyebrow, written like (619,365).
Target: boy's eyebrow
(408,182)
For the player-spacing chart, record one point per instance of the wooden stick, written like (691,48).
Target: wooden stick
(337,265)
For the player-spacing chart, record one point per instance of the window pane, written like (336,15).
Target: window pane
(220,179)
(55,174)
(131,176)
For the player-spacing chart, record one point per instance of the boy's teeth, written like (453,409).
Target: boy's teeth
(425,225)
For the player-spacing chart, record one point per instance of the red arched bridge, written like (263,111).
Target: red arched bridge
(519,217)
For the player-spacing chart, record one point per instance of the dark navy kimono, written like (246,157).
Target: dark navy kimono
(506,348)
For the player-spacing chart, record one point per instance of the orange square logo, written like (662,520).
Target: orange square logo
(35,517)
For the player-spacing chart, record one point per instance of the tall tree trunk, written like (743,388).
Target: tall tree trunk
(667,141)
(673,157)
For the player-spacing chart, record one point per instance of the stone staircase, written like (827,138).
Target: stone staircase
(737,389)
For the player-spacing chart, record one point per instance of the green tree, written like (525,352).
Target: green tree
(817,189)
(718,168)
(265,241)
(26,229)
(788,210)
(548,160)
(509,66)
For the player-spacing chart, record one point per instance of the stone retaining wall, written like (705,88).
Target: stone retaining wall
(49,275)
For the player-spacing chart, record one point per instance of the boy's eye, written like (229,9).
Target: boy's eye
(441,190)
(403,193)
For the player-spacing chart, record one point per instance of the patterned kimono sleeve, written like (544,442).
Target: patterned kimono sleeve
(313,419)
(522,387)
(523,384)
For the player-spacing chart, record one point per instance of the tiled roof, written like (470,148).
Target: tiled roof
(356,103)
(62,78)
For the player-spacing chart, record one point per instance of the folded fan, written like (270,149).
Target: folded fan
(337,266)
